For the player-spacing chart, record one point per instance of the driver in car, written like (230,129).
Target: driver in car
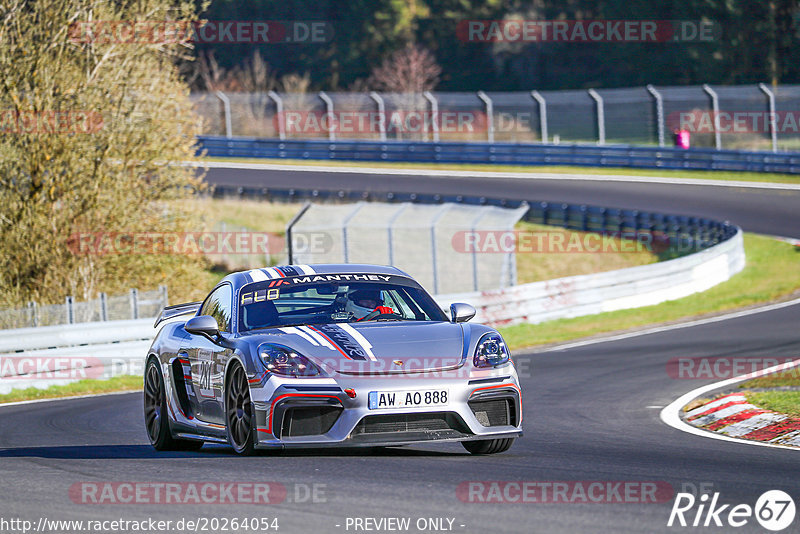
(363,302)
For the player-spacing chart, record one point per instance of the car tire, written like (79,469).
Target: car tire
(488,446)
(155,413)
(239,417)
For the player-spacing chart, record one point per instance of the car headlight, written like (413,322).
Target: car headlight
(491,351)
(286,362)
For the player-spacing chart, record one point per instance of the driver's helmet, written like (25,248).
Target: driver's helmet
(362,301)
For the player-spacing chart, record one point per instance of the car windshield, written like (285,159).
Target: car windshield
(298,301)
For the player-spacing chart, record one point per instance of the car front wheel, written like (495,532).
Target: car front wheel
(239,412)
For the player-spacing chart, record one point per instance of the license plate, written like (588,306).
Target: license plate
(379,400)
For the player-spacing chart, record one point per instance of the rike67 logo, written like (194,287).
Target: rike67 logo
(774,510)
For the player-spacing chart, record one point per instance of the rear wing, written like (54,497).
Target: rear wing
(168,312)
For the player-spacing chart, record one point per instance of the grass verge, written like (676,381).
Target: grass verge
(623,171)
(772,272)
(82,387)
(786,402)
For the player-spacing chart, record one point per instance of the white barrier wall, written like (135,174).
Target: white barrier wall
(46,356)
(633,287)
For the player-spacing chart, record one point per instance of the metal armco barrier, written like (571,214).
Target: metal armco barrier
(505,153)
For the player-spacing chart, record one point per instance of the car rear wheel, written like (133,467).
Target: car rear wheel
(155,413)
(239,412)
(488,446)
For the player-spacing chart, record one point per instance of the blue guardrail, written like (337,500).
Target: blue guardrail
(504,153)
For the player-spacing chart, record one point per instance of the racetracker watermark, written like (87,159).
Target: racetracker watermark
(203,492)
(50,122)
(409,368)
(722,367)
(208,31)
(374,122)
(587,31)
(734,122)
(195,243)
(562,242)
(565,492)
(67,367)
(51,367)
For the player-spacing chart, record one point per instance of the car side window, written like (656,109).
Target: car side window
(218,306)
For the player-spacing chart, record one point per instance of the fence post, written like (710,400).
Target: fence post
(331,119)
(715,110)
(226,106)
(773,127)
(659,113)
(434,115)
(489,116)
(279,110)
(381,114)
(134,304)
(345,222)
(542,114)
(34,310)
(70,311)
(164,295)
(103,307)
(601,117)
(289,226)
(473,227)
(434,262)
(389,232)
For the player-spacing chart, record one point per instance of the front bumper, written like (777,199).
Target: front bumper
(319,413)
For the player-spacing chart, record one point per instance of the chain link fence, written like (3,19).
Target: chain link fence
(754,117)
(421,239)
(134,305)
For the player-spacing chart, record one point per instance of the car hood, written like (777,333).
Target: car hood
(375,347)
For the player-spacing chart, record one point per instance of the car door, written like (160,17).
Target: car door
(207,359)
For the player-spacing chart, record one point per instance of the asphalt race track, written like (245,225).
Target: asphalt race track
(766,211)
(591,414)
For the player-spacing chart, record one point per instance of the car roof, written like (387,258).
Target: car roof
(241,278)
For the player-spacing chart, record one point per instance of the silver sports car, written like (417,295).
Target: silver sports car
(327,355)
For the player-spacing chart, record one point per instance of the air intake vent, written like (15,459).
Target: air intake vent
(495,412)
(421,423)
(309,421)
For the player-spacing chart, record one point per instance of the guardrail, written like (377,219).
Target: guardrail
(505,153)
(55,355)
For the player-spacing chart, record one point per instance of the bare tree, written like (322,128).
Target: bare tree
(94,134)
(412,69)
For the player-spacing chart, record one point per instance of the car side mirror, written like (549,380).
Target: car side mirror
(203,325)
(461,312)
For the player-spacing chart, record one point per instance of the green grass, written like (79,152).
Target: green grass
(82,387)
(786,402)
(624,171)
(251,214)
(772,271)
(534,264)
(789,377)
